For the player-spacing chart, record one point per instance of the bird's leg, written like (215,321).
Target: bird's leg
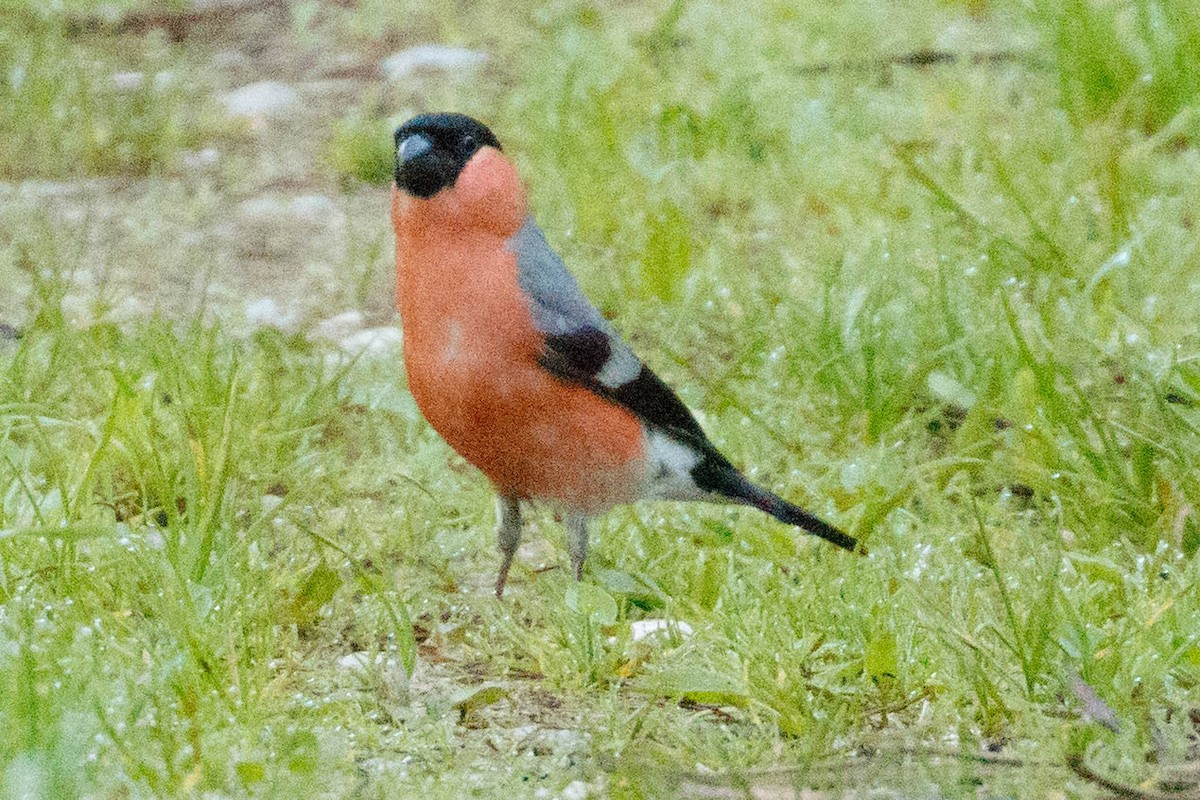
(508,531)
(577,541)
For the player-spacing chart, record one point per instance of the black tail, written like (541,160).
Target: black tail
(784,511)
(715,474)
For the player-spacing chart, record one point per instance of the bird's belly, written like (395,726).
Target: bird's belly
(531,434)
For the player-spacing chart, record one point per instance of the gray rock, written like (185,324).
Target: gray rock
(200,159)
(263,99)
(127,81)
(374,342)
(266,313)
(338,327)
(315,208)
(431,58)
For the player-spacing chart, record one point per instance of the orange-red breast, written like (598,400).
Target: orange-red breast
(514,367)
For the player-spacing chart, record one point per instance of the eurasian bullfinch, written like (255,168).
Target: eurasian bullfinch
(514,367)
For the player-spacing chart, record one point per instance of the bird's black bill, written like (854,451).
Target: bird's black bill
(413,148)
(432,149)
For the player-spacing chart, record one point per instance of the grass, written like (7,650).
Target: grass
(951,308)
(80,102)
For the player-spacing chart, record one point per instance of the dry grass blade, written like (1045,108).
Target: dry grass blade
(1078,765)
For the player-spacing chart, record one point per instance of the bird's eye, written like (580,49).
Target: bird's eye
(468,143)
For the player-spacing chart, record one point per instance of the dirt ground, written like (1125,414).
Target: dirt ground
(256,228)
(253,227)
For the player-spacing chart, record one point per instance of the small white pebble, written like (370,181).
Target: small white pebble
(127,81)
(431,58)
(78,309)
(198,159)
(355,661)
(650,627)
(380,341)
(575,790)
(314,208)
(262,99)
(265,312)
(338,327)
(130,308)
(523,732)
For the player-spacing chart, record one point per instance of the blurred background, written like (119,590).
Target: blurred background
(239,151)
(931,268)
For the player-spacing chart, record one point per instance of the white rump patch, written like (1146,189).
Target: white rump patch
(670,466)
(621,367)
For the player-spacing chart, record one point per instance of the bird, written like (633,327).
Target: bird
(512,365)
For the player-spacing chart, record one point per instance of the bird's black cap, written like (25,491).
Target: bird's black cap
(432,149)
